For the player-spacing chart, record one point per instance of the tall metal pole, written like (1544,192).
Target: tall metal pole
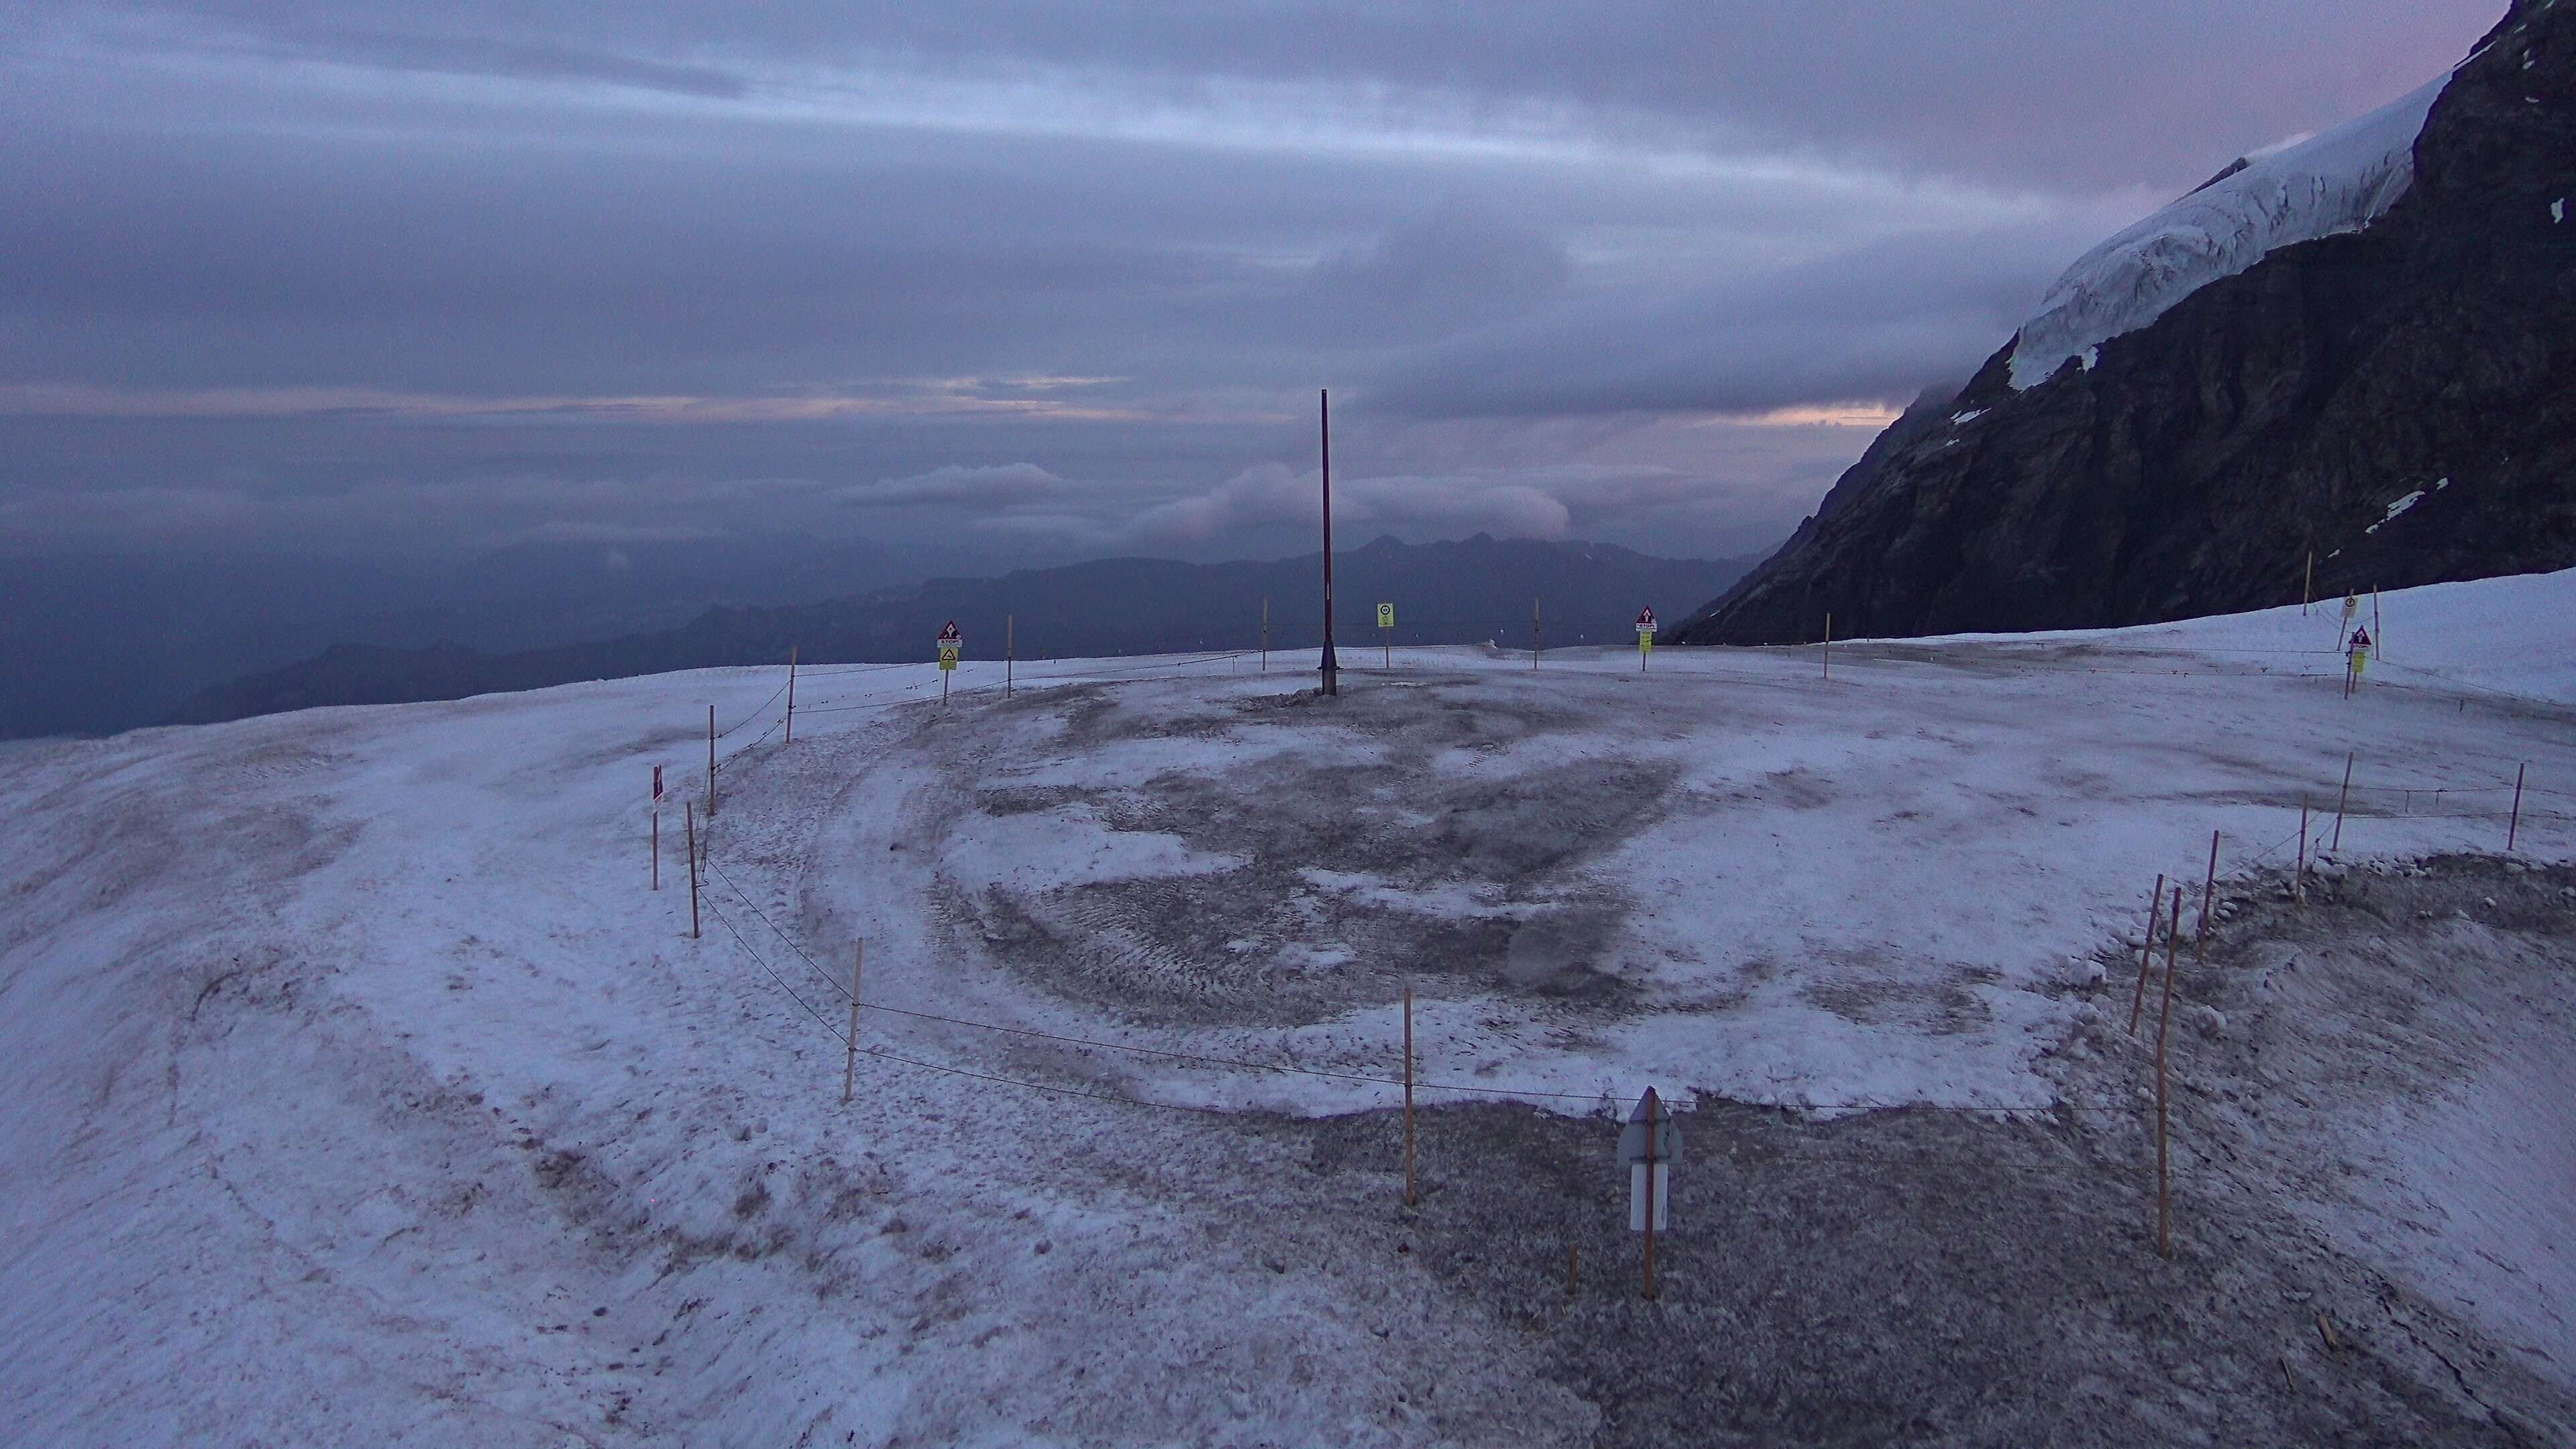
(1324,417)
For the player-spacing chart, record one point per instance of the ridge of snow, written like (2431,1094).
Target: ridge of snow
(2338,181)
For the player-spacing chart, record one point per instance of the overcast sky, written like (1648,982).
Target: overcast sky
(1044,281)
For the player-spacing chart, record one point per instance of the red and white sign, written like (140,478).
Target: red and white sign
(1645,621)
(948,634)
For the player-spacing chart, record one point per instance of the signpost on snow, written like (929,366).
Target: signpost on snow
(950,642)
(1645,646)
(657,827)
(1386,632)
(1649,1145)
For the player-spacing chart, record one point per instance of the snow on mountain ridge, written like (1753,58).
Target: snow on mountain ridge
(2338,181)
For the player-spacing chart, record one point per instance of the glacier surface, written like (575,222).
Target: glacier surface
(2341,180)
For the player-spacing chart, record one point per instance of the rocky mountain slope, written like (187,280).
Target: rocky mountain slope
(2349,348)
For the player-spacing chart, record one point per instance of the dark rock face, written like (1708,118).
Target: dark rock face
(2195,466)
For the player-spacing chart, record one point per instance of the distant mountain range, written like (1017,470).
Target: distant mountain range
(1466,591)
(2360,349)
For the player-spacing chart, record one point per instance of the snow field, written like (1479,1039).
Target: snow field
(356,1088)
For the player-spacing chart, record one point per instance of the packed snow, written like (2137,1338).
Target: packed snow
(357,1087)
(2338,181)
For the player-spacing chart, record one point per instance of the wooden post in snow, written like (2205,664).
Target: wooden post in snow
(1829,644)
(2513,827)
(2341,801)
(691,809)
(2208,897)
(2164,1022)
(850,1067)
(1010,651)
(1265,633)
(2308,584)
(2378,645)
(2147,954)
(1653,1108)
(1573,1264)
(1538,641)
(791,696)
(711,764)
(2299,878)
(1408,1096)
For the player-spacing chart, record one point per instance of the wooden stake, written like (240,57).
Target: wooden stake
(2299,880)
(1652,1107)
(2208,895)
(1538,641)
(657,845)
(2513,827)
(1010,651)
(1829,644)
(2342,800)
(1408,1096)
(2378,646)
(1265,634)
(2164,1022)
(791,696)
(691,809)
(850,1068)
(2308,584)
(2147,955)
(711,764)
(1573,1261)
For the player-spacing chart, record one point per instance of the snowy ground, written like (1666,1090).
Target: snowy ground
(357,1088)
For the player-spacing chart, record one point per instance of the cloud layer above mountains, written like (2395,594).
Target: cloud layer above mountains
(1062,279)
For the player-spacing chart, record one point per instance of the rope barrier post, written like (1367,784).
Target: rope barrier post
(711,764)
(1408,1097)
(850,1067)
(1653,1108)
(2378,644)
(791,697)
(1829,644)
(2341,801)
(1010,651)
(1265,633)
(2208,896)
(2513,827)
(2147,954)
(691,809)
(2299,878)
(2164,1021)
(1538,641)
(2308,584)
